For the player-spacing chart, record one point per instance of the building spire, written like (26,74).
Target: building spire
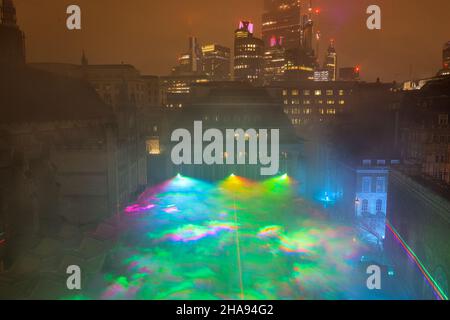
(84,59)
(310,10)
(8,13)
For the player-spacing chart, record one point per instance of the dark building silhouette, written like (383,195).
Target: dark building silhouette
(235,105)
(216,62)
(349,74)
(445,71)
(425,129)
(12,39)
(446,56)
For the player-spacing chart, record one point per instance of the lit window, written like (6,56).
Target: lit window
(341,92)
(307,92)
(330,92)
(153,147)
(318,92)
(295,92)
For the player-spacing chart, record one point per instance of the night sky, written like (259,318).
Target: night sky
(151,33)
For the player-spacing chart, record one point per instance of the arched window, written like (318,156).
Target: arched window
(379,205)
(365,206)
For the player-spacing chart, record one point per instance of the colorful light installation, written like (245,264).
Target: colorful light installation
(237,239)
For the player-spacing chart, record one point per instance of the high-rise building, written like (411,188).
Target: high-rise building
(8,13)
(445,71)
(216,62)
(349,74)
(446,56)
(189,62)
(331,62)
(307,31)
(12,39)
(274,61)
(282,20)
(248,55)
(300,65)
(301,61)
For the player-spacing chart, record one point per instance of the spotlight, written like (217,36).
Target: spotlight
(232,175)
(284,176)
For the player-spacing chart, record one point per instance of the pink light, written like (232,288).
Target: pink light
(195,233)
(273,41)
(246,25)
(171,209)
(136,208)
(250,27)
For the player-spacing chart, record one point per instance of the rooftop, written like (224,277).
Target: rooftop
(31,95)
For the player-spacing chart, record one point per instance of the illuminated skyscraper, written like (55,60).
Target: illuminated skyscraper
(274,61)
(12,39)
(248,55)
(216,63)
(331,62)
(282,20)
(189,62)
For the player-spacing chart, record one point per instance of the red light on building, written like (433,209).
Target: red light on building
(317,11)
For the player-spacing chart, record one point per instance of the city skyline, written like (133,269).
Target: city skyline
(105,24)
